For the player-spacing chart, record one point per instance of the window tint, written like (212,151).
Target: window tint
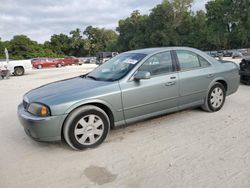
(117,67)
(187,59)
(158,64)
(203,62)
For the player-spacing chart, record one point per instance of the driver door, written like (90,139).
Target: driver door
(154,96)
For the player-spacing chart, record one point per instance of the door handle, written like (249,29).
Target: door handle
(210,75)
(170,83)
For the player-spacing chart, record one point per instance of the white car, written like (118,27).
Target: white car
(16,67)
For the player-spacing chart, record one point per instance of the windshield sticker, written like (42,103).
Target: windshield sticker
(130,61)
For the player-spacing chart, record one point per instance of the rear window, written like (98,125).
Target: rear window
(187,59)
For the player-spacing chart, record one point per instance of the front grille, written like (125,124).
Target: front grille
(25,104)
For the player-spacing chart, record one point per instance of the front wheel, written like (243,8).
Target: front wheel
(86,127)
(215,98)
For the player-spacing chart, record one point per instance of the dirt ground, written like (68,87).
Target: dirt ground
(191,148)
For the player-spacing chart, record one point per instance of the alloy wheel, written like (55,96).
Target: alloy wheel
(89,129)
(217,97)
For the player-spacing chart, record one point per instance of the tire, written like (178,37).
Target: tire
(215,99)
(59,65)
(39,66)
(18,71)
(92,133)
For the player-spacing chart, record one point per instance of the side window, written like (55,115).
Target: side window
(203,62)
(158,64)
(187,59)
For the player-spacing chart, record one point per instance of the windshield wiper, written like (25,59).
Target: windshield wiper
(91,77)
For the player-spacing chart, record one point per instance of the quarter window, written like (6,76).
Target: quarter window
(160,63)
(203,62)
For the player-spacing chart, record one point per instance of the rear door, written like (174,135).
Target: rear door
(50,62)
(195,76)
(155,95)
(44,62)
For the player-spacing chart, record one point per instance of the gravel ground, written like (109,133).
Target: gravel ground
(190,148)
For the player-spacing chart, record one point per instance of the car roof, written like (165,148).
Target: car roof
(148,51)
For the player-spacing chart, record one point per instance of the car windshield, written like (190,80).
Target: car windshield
(117,67)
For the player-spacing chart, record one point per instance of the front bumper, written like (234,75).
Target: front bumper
(41,128)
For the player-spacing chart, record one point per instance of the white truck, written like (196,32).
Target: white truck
(16,67)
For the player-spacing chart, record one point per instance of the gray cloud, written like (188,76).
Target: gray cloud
(39,19)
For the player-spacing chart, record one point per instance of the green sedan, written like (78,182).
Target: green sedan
(132,86)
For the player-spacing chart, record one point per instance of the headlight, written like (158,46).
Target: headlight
(39,109)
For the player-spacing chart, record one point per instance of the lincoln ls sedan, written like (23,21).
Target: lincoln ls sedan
(132,86)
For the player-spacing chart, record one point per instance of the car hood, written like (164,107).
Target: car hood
(68,88)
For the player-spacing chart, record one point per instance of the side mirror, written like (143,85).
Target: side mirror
(142,75)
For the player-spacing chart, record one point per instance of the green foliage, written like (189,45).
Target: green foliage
(228,22)
(1,50)
(21,47)
(132,32)
(99,40)
(225,25)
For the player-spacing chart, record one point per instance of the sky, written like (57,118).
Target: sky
(40,19)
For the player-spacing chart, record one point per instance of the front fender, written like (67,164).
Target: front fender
(85,102)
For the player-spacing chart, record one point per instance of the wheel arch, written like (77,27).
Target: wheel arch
(224,83)
(18,66)
(219,80)
(100,104)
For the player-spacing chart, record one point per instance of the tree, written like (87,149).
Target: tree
(21,47)
(228,22)
(59,44)
(2,56)
(97,39)
(198,36)
(132,32)
(76,43)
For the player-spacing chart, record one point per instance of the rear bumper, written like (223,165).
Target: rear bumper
(41,128)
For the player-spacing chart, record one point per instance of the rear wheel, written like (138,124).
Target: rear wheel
(39,66)
(215,98)
(19,71)
(86,127)
(59,65)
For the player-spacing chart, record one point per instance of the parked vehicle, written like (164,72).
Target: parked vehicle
(82,60)
(87,60)
(237,54)
(245,70)
(132,86)
(91,60)
(4,73)
(244,52)
(227,53)
(17,67)
(219,53)
(102,57)
(40,63)
(70,60)
(212,53)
